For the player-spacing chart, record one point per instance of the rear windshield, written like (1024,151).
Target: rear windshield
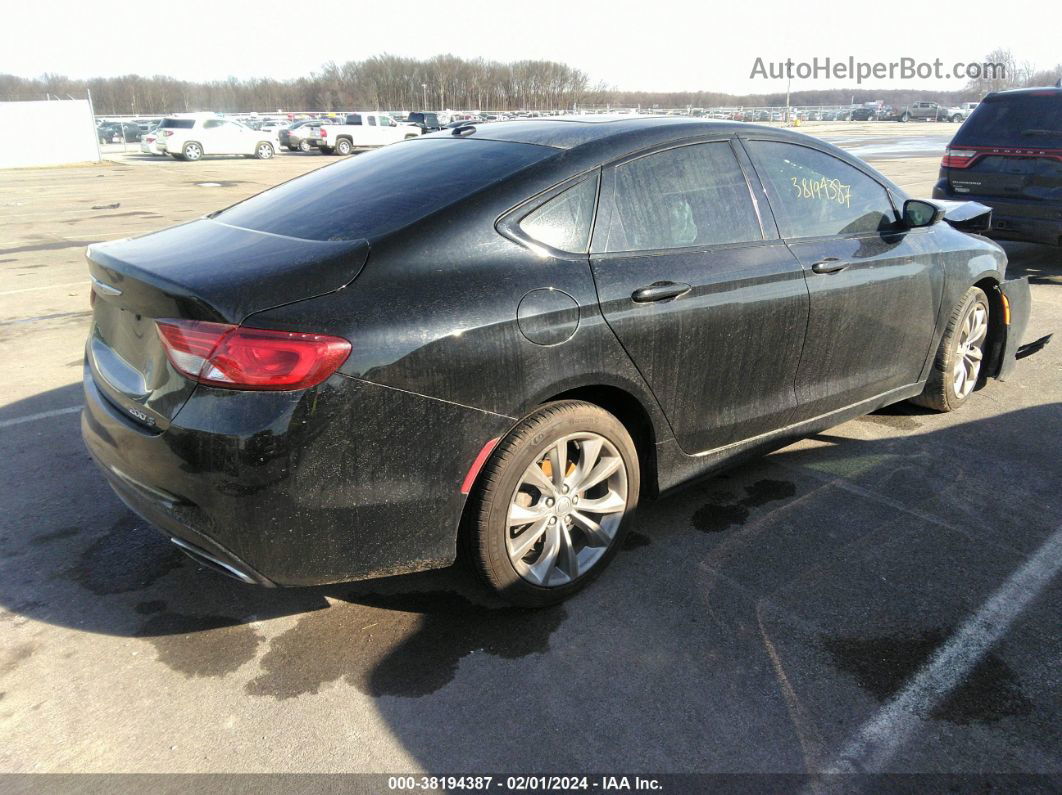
(178,124)
(1033,120)
(372,194)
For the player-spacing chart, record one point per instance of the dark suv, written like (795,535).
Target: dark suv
(1008,155)
(428,122)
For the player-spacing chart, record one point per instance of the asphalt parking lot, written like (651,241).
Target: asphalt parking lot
(883,596)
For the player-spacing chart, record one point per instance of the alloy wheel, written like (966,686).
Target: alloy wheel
(193,152)
(566,509)
(970,350)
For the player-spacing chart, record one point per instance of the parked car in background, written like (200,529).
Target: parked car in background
(192,137)
(426,121)
(966,108)
(1008,156)
(112,132)
(925,111)
(578,315)
(361,132)
(865,113)
(300,136)
(149,143)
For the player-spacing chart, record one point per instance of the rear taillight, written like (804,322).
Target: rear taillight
(324,133)
(234,357)
(958,158)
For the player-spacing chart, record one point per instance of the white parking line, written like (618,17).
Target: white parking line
(870,749)
(41,416)
(82,283)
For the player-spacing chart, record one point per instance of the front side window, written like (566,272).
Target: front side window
(210,124)
(564,221)
(688,196)
(815,194)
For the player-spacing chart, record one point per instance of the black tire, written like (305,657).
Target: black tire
(292,148)
(326,150)
(956,118)
(487,523)
(940,392)
(304,146)
(193,150)
(905,117)
(344,147)
(263,150)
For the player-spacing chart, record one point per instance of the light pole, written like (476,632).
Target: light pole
(424,88)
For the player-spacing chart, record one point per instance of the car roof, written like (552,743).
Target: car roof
(572,132)
(1033,90)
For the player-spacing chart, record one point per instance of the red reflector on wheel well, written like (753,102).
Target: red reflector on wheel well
(481,459)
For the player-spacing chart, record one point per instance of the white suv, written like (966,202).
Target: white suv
(191,137)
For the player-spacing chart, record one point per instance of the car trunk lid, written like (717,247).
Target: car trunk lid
(203,270)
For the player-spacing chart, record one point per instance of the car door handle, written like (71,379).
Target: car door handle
(659,291)
(829,265)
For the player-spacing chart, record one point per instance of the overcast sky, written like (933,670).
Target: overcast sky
(660,45)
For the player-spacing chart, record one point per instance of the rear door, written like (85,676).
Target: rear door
(710,309)
(875,288)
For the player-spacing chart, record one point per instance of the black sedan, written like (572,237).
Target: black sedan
(347,376)
(297,137)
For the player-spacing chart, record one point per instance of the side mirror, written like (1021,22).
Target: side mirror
(918,213)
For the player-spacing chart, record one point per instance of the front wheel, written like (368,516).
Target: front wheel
(548,512)
(264,150)
(956,368)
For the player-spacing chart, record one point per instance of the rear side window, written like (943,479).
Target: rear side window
(354,118)
(690,196)
(815,194)
(372,120)
(564,221)
(382,191)
(1033,120)
(177,124)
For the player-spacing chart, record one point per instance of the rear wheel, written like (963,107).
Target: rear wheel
(326,150)
(956,117)
(343,147)
(264,150)
(956,368)
(192,151)
(304,145)
(905,117)
(548,513)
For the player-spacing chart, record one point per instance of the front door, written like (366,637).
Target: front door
(710,310)
(875,287)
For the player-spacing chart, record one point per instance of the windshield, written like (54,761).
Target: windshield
(382,191)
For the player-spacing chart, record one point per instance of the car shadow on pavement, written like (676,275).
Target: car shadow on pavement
(742,589)
(1041,263)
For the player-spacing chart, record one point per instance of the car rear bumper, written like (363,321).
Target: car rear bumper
(1030,221)
(345,481)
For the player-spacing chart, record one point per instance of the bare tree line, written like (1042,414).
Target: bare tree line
(390,82)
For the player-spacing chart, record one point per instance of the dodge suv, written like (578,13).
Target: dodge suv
(1008,155)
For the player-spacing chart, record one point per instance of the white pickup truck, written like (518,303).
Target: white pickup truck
(361,131)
